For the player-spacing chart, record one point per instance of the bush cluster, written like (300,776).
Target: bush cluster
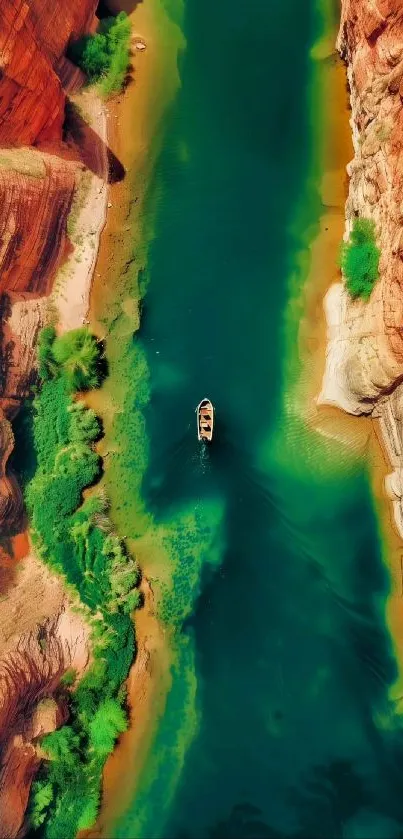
(76,539)
(105,56)
(359,259)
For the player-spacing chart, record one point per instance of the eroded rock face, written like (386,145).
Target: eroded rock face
(40,637)
(365,357)
(364,363)
(33,39)
(37,190)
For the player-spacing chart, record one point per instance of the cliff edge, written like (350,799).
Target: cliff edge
(364,362)
(37,186)
(33,40)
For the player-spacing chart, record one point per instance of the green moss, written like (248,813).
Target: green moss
(76,539)
(359,259)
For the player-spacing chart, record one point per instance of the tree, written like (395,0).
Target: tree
(359,259)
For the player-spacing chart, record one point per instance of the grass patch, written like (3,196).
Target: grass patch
(79,200)
(76,539)
(24,161)
(105,56)
(359,259)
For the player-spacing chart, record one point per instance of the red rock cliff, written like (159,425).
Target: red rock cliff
(34,35)
(36,189)
(36,192)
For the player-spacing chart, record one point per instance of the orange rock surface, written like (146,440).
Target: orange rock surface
(40,637)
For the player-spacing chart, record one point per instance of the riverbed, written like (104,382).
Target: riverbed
(272,716)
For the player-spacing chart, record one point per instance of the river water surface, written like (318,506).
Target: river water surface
(278,721)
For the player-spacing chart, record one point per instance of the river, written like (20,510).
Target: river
(278,721)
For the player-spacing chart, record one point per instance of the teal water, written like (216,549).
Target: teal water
(278,722)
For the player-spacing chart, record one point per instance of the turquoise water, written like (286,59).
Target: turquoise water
(278,722)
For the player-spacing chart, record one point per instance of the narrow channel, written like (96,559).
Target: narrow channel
(278,721)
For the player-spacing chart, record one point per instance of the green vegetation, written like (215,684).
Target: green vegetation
(69,677)
(77,352)
(105,56)
(359,259)
(76,539)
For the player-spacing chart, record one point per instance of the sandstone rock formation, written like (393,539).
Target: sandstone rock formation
(40,637)
(33,39)
(364,364)
(365,357)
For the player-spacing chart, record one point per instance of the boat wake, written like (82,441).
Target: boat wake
(201,458)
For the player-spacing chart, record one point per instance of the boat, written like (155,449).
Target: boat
(205,420)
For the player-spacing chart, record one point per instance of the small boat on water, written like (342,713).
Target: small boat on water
(205,420)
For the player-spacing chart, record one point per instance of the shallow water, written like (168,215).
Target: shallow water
(278,721)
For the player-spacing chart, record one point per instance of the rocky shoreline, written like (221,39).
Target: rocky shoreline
(364,358)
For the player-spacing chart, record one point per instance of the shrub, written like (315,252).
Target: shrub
(109,721)
(78,353)
(105,55)
(89,812)
(46,363)
(132,601)
(41,796)
(359,259)
(62,745)
(84,424)
(95,56)
(69,677)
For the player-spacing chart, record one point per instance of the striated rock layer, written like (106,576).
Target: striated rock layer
(364,364)
(33,39)
(36,191)
(40,636)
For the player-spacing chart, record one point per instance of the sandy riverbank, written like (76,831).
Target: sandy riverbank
(134,139)
(71,291)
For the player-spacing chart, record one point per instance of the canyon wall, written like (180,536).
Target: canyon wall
(34,36)
(39,634)
(36,191)
(40,637)
(364,362)
(365,356)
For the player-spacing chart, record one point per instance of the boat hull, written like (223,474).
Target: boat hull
(205,421)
